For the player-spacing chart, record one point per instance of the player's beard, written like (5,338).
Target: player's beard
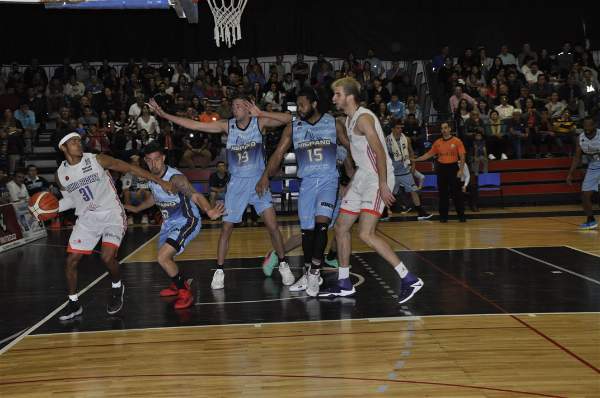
(308,115)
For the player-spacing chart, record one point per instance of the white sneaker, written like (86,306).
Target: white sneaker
(503,157)
(218,280)
(300,284)
(491,156)
(144,219)
(312,287)
(286,274)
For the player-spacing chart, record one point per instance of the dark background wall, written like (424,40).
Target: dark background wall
(395,29)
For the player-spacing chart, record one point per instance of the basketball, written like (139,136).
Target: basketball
(43,206)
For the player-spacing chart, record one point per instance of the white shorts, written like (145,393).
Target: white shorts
(363,194)
(110,226)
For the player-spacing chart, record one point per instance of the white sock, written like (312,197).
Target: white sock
(343,272)
(401,270)
(116,285)
(73,297)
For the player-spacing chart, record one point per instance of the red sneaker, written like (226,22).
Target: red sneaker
(169,291)
(172,290)
(185,299)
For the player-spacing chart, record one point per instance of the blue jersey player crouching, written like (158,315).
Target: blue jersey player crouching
(181,220)
(246,164)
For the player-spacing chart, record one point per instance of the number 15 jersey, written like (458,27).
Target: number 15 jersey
(245,156)
(88,185)
(315,146)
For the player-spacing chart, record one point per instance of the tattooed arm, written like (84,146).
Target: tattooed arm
(182,185)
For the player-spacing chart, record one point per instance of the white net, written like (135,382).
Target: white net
(227,15)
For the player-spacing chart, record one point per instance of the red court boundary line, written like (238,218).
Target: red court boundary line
(260,337)
(362,379)
(497,306)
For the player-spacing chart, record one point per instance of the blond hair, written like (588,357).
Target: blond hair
(349,85)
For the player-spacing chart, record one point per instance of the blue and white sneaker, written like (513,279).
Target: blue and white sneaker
(269,263)
(410,285)
(589,225)
(342,288)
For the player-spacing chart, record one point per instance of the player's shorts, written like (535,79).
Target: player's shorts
(241,192)
(591,180)
(363,194)
(178,233)
(110,226)
(317,197)
(406,182)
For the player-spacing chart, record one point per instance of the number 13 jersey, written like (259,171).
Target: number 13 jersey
(315,146)
(88,185)
(245,149)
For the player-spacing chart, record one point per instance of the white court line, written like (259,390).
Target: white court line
(568,271)
(12,336)
(388,319)
(63,305)
(582,251)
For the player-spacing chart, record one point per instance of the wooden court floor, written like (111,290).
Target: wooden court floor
(462,336)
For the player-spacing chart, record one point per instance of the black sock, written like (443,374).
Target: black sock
(591,219)
(282,259)
(179,281)
(220,266)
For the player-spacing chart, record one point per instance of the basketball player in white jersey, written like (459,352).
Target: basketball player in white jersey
(369,192)
(87,186)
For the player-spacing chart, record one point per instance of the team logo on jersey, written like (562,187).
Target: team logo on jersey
(309,135)
(67,178)
(452,146)
(88,161)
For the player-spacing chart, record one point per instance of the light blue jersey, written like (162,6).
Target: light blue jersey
(591,149)
(316,147)
(245,149)
(181,217)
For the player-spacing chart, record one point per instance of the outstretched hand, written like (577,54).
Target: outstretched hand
(252,109)
(216,211)
(154,107)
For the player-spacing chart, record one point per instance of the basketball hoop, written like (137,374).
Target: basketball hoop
(227,20)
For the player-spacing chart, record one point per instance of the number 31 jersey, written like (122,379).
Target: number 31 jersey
(245,149)
(88,185)
(315,146)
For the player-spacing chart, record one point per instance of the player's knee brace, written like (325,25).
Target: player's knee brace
(307,244)
(320,240)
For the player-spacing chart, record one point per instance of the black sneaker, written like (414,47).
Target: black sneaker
(116,299)
(72,310)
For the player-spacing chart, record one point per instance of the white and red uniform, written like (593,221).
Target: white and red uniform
(363,193)
(90,189)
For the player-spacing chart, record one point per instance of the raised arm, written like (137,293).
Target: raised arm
(366,125)
(268,119)
(110,163)
(275,160)
(218,127)
(182,185)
